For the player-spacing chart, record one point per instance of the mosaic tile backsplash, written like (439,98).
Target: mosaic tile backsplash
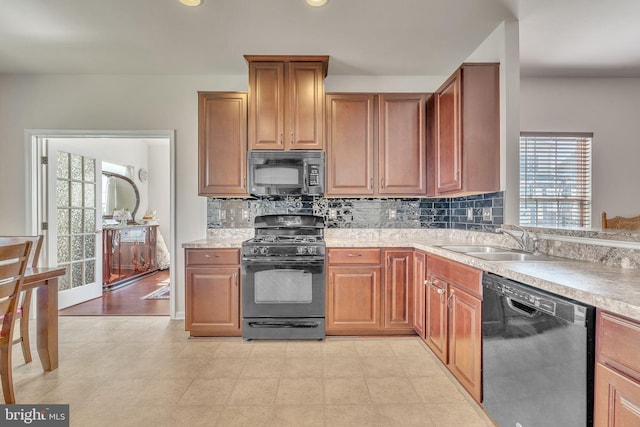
(483,212)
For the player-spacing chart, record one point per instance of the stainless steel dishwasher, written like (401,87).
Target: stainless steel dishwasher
(537,355)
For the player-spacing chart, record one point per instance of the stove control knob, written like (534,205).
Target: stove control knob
(312,250)
(254,250)
(264,250)
(302,249)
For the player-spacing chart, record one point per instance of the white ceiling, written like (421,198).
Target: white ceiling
(362,37)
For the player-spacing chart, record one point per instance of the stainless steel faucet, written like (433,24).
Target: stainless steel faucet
(520,235)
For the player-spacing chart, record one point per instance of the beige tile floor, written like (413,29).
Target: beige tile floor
(144,371)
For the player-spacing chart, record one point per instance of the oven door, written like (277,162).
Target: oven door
(283,287)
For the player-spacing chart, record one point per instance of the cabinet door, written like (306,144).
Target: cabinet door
(401,144)
(617,399)
(222,143)
(436,317)
(419,293)
(353,298)
(448,138)
(266,105)
(305,106)
(398,298)
(350,144)
(465,340)
(213,301)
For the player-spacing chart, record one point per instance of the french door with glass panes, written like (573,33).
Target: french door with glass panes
(74,220)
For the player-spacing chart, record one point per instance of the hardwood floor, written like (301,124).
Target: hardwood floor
(126,301)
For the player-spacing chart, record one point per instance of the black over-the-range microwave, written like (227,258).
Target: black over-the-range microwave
(273,173)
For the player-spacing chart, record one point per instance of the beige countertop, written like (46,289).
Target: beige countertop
(614,289)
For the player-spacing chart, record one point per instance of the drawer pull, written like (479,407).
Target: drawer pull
(211,256)
(354,255)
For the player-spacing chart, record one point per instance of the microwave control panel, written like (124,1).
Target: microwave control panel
(314,175)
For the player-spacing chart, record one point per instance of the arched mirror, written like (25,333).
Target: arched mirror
(119,193)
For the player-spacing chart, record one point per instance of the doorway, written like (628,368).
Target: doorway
(146,157)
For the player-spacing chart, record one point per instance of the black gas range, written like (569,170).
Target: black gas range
(283,278)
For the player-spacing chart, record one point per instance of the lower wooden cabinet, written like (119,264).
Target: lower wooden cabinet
(419,291)
(465,339)
(453,325)
(212,300)
(353,299)
(617,372)
(369,291)
(398,287)
(436,331)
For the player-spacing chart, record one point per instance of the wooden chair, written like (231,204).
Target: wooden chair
(24,306)
(620,223)
(13,262)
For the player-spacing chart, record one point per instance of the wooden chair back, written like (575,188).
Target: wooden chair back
(620,223)
(36,246)
(13,262)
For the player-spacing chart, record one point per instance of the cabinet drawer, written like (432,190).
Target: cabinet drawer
(354,256)
(618,342)
(461,275)
(212,257)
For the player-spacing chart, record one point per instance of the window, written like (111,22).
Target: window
(555,179)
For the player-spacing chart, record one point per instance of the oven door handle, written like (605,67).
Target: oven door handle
(284,324)
(282,261)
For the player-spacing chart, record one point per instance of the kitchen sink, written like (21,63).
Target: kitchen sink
(496,253)
(513,256)
(467,249)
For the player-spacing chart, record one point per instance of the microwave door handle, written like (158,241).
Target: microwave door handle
(305,184)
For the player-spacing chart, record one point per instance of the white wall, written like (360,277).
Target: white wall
(159,186)
(609,109)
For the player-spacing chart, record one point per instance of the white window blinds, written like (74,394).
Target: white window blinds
(555,179)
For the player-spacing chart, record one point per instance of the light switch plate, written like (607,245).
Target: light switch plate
(470,214)
(393,214)
(333,213)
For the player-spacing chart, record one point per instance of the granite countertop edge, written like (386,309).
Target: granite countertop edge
(613,289)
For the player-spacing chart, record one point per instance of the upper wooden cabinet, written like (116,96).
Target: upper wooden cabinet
(222,143)
(286,102)
(376,144)
(350,144)
(466,137)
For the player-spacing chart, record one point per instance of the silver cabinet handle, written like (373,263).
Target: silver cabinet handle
(354,254)
(211,256)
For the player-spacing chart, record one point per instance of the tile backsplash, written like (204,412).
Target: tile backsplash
(479,212)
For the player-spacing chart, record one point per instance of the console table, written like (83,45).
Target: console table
(129,252)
